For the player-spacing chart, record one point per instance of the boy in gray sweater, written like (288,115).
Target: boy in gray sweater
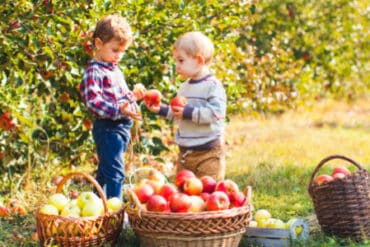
(201,121)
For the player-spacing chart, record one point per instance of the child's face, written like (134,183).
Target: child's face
(110,51)
(186,66)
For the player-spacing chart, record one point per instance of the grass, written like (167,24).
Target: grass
(276,155)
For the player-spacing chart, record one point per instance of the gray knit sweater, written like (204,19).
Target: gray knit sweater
(204,114)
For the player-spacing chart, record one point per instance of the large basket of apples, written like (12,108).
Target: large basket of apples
(190,212)
(86,220)
(342,199)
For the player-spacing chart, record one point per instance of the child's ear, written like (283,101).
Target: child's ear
(98,43)
(200,59)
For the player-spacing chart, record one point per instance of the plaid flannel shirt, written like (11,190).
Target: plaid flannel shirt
(104,91)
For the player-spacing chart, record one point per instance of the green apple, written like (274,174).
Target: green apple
(93,208)
(71,210)
(262,214)
(49,210)
(87,197)
(114,203)
(253,223)
(275,223)
(58,200)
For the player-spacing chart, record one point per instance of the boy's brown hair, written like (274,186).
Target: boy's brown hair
(113,27)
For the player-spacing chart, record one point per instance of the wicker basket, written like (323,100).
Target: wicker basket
(81,231)
(205,229)
(343,206)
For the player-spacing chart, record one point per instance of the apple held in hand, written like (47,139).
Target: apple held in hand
(180,203)
(152,97)
(58,200)
(182,176)
(209,183)
(157,203)
(193,186)
(178,101)
(322,179)
(218,200)
(341,169)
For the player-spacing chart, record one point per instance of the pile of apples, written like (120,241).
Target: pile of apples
(263,218)
(86,204)
(339,172)
(188,193)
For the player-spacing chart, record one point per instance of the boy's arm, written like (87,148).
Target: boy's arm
(92,96)
(213,111)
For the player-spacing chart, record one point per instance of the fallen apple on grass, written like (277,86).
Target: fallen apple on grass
(178,101)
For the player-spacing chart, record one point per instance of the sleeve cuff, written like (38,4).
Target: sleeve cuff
(163,110)
(188,112)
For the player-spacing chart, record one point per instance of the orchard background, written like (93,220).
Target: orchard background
(272,56)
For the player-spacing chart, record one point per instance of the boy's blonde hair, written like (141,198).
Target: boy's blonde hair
(194,43)
(113,27)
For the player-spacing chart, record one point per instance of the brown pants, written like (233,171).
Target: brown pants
(209,162)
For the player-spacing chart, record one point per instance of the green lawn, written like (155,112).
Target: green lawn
(276,155)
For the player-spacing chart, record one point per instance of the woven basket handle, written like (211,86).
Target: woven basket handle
(322,162)
(90,179)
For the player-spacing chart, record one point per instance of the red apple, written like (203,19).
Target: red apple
(324,178)
(167,190)
(143,192)
(156,185)
(180,203)
(209,184)
(182,176)
(341,169)
(152,97)
(157,203)
(197,204)
(238,200)
(218,200)
(193,186)
(178,101)
(205,195)
(339,175)
(229,187)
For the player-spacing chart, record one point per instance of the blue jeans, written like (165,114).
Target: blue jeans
(111,140)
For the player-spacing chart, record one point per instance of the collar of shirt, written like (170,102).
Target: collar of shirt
(107,65)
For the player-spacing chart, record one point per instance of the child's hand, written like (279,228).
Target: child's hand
(132,114)
(139,91)
(177,111)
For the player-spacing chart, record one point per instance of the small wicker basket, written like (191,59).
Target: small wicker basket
(343,206)
(81,231)
(223,228)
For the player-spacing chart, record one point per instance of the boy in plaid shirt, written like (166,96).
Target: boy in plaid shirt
(110,101)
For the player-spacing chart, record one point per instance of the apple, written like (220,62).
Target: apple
(167,190)
(93,208)
(73,194)
(275,223)
(209,183)
(193,186)
(114,203)
(338,175)
(262,214)
(87,197)
(205,196)
(157,203)
(49,210)
(4,211)
(156,185)
(341,169)
(152,97)
(58,200)
(229,187)
(218,200)
(324,178)
(143,192)
(56,180)
(197,204)
(253,223)
(178,101)
(239,200)
(71,209)
(182,176)
(180,203)
(157,176)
